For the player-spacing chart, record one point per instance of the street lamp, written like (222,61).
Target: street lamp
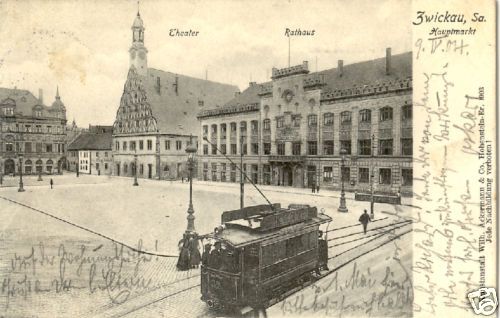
(1,173)
(184,258)
(135,168)
(342,207)
(21,188)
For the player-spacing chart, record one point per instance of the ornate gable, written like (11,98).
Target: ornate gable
(134,114)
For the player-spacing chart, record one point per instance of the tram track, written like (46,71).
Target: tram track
(373,238)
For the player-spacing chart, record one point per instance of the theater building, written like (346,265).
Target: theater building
(291,129)
(31,133)
(157,115)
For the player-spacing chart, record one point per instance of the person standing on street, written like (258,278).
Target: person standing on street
(364,219)
(51,183)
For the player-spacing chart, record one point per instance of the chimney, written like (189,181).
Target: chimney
(340,67)
(40,95)
(236,94)
(388,61)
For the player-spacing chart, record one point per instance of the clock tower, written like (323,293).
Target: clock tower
(138,52)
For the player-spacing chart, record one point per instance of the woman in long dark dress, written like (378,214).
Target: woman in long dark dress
(194,253)
(183,262)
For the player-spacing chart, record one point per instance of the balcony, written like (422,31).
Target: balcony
(276,158)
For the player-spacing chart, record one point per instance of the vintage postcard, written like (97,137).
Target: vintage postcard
(296,158)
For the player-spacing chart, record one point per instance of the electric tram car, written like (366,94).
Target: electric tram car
(260,255)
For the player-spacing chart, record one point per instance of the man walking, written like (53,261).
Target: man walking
(51,183)
(364,219)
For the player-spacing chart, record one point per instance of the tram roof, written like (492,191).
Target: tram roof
(239,236)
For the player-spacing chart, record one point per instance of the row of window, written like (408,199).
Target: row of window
(45,129)
(39,147)
(384,174)
(139,145)
(385,114)
(385,148)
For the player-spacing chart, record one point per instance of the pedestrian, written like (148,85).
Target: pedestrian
(364,219)
(51,183)
(323,251)
(183,262)
(215,259)
(206,254)
(317,188)
(313,187)
(194,253)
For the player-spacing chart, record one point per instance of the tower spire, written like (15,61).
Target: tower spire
(138,14)
(57,92)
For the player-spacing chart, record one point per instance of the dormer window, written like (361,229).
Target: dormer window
(38,113)
(9,111)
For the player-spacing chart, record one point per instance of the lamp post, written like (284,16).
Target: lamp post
(342,207)
(135,168)
(1,173)
(21,188)
(242,181)
(191,152)
(184,262)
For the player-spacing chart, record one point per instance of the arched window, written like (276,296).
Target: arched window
(345,117)
(328,119)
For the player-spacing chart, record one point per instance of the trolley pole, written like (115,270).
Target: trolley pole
(242,181)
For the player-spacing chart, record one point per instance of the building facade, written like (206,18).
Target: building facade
(32,135)
(157,115)
(291,130)
(93,151)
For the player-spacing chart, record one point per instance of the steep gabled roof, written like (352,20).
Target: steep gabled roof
(92,141)
(178,98)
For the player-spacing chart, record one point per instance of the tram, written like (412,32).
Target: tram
(259,255)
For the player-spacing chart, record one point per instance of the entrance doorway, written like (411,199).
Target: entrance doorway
(150,171)
(311,176)
(118,169)
(10,166)
(287,176)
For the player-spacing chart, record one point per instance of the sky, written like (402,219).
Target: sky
(82,46)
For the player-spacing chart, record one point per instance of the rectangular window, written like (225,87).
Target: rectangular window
(205,130)
(406,146)
(267,148)
(312,120)
(105,166)
(38,128)
(281,148)
(266,174)
(233,127)
(365,116)
(296,120)
(328,119)
(48,147)
(214,150)
(254,126)
(233,149)
(132,145)
(385,147)
(345,118)
(267,124)
(244,149)
(384,176)
(9,147)
(150,144)
(223,172)
(345,173)
(346,144)
(233,173)
(328,147)
(363,175)
(124,146)
(214,172)
(205,149)
(327,174)
(312,148)
(407,177)
(167,144)
(97,154)
(279,122)
(141,144)
(296,148)
(178,144)
(255,148)
(223,148)
(406,112)
(385,114)
(27,146)
(364,147)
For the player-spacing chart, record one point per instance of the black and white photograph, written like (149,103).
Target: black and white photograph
(238,159)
